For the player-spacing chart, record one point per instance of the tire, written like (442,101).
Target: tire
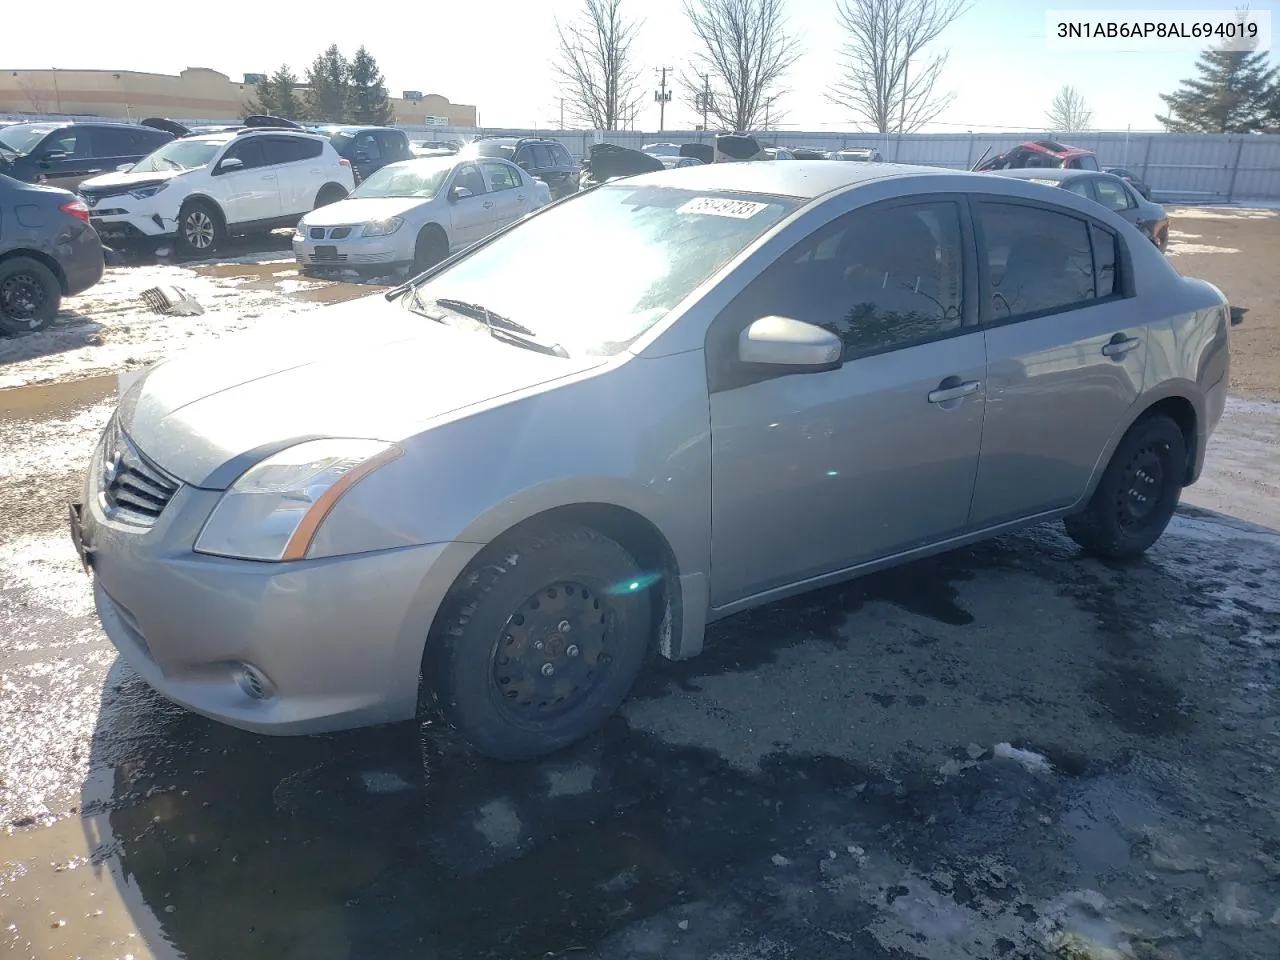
(1137,494)
(329,193)
(201,230)
(30,295)
(430,248)
(564,600)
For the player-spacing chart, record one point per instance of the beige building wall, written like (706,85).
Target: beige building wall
(197,93)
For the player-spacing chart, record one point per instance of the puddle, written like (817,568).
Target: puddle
(42,400)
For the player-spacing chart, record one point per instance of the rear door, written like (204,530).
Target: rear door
(507,191)
(1065,354)
(299,174)
(394,145)
(250,192)
(471,217)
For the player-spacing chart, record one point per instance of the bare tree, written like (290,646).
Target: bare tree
(881,85)
(40,98)
(744,51)
(595,65)
(1068,113)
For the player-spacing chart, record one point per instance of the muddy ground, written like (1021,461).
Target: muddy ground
(1007,751)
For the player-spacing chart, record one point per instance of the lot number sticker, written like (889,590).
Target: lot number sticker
(720,207)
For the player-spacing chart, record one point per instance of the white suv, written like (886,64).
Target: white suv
(199,190)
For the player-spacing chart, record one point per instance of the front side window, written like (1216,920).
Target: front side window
(366,148)
(542,157)
(637,253)
(470,178)
(1080,187)
(394,145)
(1038,260)
(248,151)
(880,279)
(501,176)
(1112,193)
(1085,163)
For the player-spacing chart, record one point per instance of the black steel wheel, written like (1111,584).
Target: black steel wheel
(1137,494)
(430,248)
(29,295)
(540,642)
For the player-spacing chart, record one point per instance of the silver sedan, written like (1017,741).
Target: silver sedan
(417,212)
(492,495)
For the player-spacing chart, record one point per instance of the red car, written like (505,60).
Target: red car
(1041,153)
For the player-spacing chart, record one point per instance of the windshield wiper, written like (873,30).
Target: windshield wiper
(528,342)
(478,312)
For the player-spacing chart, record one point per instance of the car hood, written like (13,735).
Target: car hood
(367,368)
(109,181)
(361,210)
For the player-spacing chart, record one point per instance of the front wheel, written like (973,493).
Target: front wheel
(538,646)
(29,295)
(1137,494)
(200,229)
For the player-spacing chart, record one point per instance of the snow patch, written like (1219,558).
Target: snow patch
(1032,761)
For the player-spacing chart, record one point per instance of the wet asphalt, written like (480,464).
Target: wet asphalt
(1010,750)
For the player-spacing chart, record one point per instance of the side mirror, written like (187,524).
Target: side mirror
(51,155)
(783,342)
(124,167)
(361,156)
(230,163)
(459,193)
(522,164)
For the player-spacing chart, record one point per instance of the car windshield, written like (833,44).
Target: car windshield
(637,252)
(22,138)
(412,178)
(178,155)
(662,149)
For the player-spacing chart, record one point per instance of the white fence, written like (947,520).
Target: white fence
(1185,168)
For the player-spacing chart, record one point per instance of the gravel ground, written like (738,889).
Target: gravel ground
(1006,751)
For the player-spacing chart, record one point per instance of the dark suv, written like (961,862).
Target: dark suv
(545,159)
(61,154)
(368,148)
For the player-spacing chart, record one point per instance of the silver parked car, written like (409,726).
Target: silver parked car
(417,212)
(507,492)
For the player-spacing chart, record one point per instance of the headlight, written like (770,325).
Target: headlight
(273,511)
(382,228)
(299,231)
(143,192)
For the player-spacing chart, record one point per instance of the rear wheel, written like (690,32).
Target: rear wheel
(200,229)
(29,295)
(1137,494)
(540,645)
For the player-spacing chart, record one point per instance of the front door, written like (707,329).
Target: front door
(66,158)
(817,472)
(472,217)
(1065,356)
(251,191)
(509,195)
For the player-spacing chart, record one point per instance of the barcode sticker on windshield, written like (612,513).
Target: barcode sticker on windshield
(720,207)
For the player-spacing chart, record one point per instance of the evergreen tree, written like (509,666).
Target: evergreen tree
(368,95)
(328,87)
(277,95)
(1236,92)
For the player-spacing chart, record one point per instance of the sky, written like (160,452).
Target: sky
(499,55)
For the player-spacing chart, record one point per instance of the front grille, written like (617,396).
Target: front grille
(134,489)
(317,233)
(336,258)
(340,233)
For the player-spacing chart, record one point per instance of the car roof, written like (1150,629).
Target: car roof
(804,179)
(1048,173)
(350,128)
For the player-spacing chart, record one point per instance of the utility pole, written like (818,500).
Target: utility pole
(706,101)
(663,96)
(562,113)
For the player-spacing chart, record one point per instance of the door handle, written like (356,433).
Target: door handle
(488,204)
(1119,346)
(953,391)
(521,198)
(269,176)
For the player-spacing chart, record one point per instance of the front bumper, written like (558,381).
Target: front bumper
(115,221)
(338,641)
(355,251)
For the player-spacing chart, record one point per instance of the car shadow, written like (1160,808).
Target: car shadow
(1237,315)
(399,841)
(69,330)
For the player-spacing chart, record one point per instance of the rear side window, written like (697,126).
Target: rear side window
(118,142)
(1112,193)
(291,149)
(1038,260)
(1105,257)
(541,156)
(395,145)
(561,156)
